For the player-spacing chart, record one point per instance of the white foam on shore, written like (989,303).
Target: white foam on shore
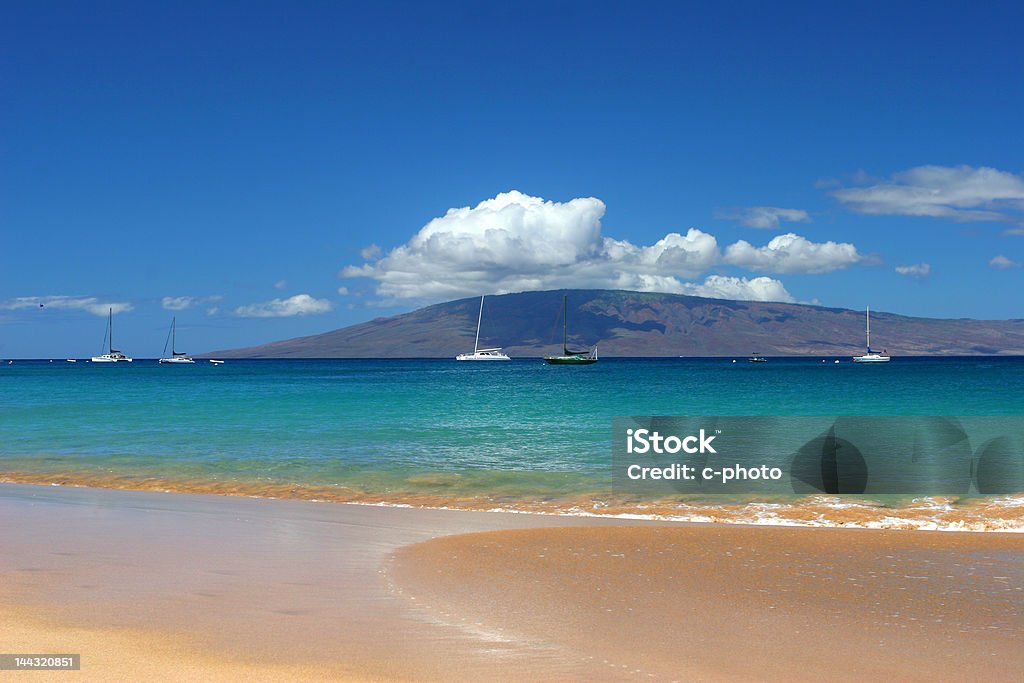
(922,514)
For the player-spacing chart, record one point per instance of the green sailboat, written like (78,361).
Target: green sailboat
(568,356)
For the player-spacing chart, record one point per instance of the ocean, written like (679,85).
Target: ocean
(518,435)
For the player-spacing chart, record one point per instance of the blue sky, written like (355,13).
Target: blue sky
(235,164)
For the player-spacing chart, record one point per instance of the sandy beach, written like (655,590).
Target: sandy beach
(741,603)
(146,584)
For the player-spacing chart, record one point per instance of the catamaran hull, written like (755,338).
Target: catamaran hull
(178,361)
(864,359)
(112,355)
(481,356)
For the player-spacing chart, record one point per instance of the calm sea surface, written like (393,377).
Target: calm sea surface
(394,429)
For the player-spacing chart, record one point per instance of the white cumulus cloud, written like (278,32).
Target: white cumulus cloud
(300,304)
(959,193)
(753,289)
(916,270)
(1002,263)
(85,303)
(765,217)
(792,253)
(515,242)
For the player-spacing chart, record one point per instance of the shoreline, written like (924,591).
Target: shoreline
(258,585)
(988,514)
(189,585)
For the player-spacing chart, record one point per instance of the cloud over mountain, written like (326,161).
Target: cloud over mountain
(792,253)
(515,242)
(753,289)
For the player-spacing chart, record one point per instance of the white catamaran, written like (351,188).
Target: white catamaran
(178,357)
(478,353)
(871,356)
(112,355)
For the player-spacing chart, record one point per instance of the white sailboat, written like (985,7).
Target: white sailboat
(177,357)
(112,355)
(871,356)
(478,353)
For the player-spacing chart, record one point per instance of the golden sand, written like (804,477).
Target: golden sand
(135,655)
(738,603)
(141,583)
(150,586)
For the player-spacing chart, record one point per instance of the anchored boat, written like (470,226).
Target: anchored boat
(478,353)
(112,355)
(176,357)
(871,356)
(568,356)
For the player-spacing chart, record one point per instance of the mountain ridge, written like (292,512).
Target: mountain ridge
(625,323)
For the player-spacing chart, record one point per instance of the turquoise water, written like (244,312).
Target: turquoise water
(432,426)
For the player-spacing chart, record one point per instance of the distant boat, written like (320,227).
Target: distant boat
(112,355)
(176,357)
(478,353)
(757,358)
(72,360)
(871,356)
(217,362)
(569,357)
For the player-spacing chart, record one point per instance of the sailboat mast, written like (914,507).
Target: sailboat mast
(479,318)
(565,326)
(110,329)
(869,328)
(174,327)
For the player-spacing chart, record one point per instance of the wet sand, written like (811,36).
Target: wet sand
(738,603)
(184,587)
(153,582)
